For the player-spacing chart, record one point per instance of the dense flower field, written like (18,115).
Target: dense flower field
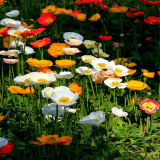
(79,80)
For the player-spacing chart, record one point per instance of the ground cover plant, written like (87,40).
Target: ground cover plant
(79,80)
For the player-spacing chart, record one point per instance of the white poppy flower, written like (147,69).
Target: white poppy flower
(47,92)
(100,64)
(28,50)
(86,71)
(8,22)
(66,98)
(91,44)
(100,53)
(72,35)
(22,80)
(51,109)
(3,142)
(88,58)
(10,61)
(115,82)
(94,118)
(74,42)
(13,13)
(71,51)
(119,70)
(71,110)
(64,74)
(10,53)
(119,112)
(41,78)
(16,31)
(16,43)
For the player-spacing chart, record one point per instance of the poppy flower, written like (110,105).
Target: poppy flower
(117,9)
(136,85)
(104,38)
(1,118)
(153,20)
(46,19)
(133,9)
(81,17)
(150,2)
(103,6)
(32,32)
(50,8)
(41,43)
(13,13)
(65,63)
(158,73)
(149,106)
(95,17)
(148,38)
(136,14)
(74,13)
(5,32)
(75,88)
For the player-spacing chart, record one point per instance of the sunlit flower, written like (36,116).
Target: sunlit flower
(99,64)
(53,109)
(71,51)
(53,140)
(118,9)
(73,42)
(102,75)
(119,112)
(95,17)
(88,58)
(136,85)
(15,89)
(46,19)
(50,8)
(149,106)
(41,78)
(75,88)
(64,74)
(86,71)
(28,50)
(91,44)
(81,17)
(10,61)
(8,22)
(153,20)
(119,70)
(72,35)
(115,82)
(56,49)
(10,53)
(94,118)
(16,31)
(100,53)
(65,63)
(13,13)
(5,146)
(39,63)
(66,98)
(40,43)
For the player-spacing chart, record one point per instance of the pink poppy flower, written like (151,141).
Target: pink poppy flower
(73,42)
(71,51)
(10,61)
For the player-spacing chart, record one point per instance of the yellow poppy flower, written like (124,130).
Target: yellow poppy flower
(81,17)
(95,17)
(65,63)
(136,85)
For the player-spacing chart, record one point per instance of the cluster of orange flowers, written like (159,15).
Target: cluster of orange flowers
(75,88)
(53,140)
(15,89)
(39,63)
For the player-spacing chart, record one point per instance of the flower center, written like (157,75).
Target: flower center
(117,70)
(115,83)
(72,38)
(88,71)
(40,44)
(101,65)
(88,59)
(69,51)
(64,100)
(149,106)
(26,80)
(10,23)
(16,33)
(95,119)
(59,50)
(50,10)
(49,20)
(42,80)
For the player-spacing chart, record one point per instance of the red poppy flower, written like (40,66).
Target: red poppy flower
(149,106)
(152,20)
(159,9)
(103,6)
(5,32)
(7,149)
(104,38)
(32,32)
(158,73)
(133,9)
(95,2)
(129,14)
(46,19)
(41,43)
(150,2)
(140,13)
(148,38)
(74,13)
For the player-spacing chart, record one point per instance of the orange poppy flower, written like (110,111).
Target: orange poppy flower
(46,70)
(136,85)
(75,88)
(56,49)
(95,17)
(41,43)
(81,17)
(1,118)
(149,74)
(117,9)
(74,13)
(158,73)
(132,71)
(63,11)
(1,2)
(152,20)
(50,8)
(46,19)
(125,62)
(53,140)
(39,63)
(65,63)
